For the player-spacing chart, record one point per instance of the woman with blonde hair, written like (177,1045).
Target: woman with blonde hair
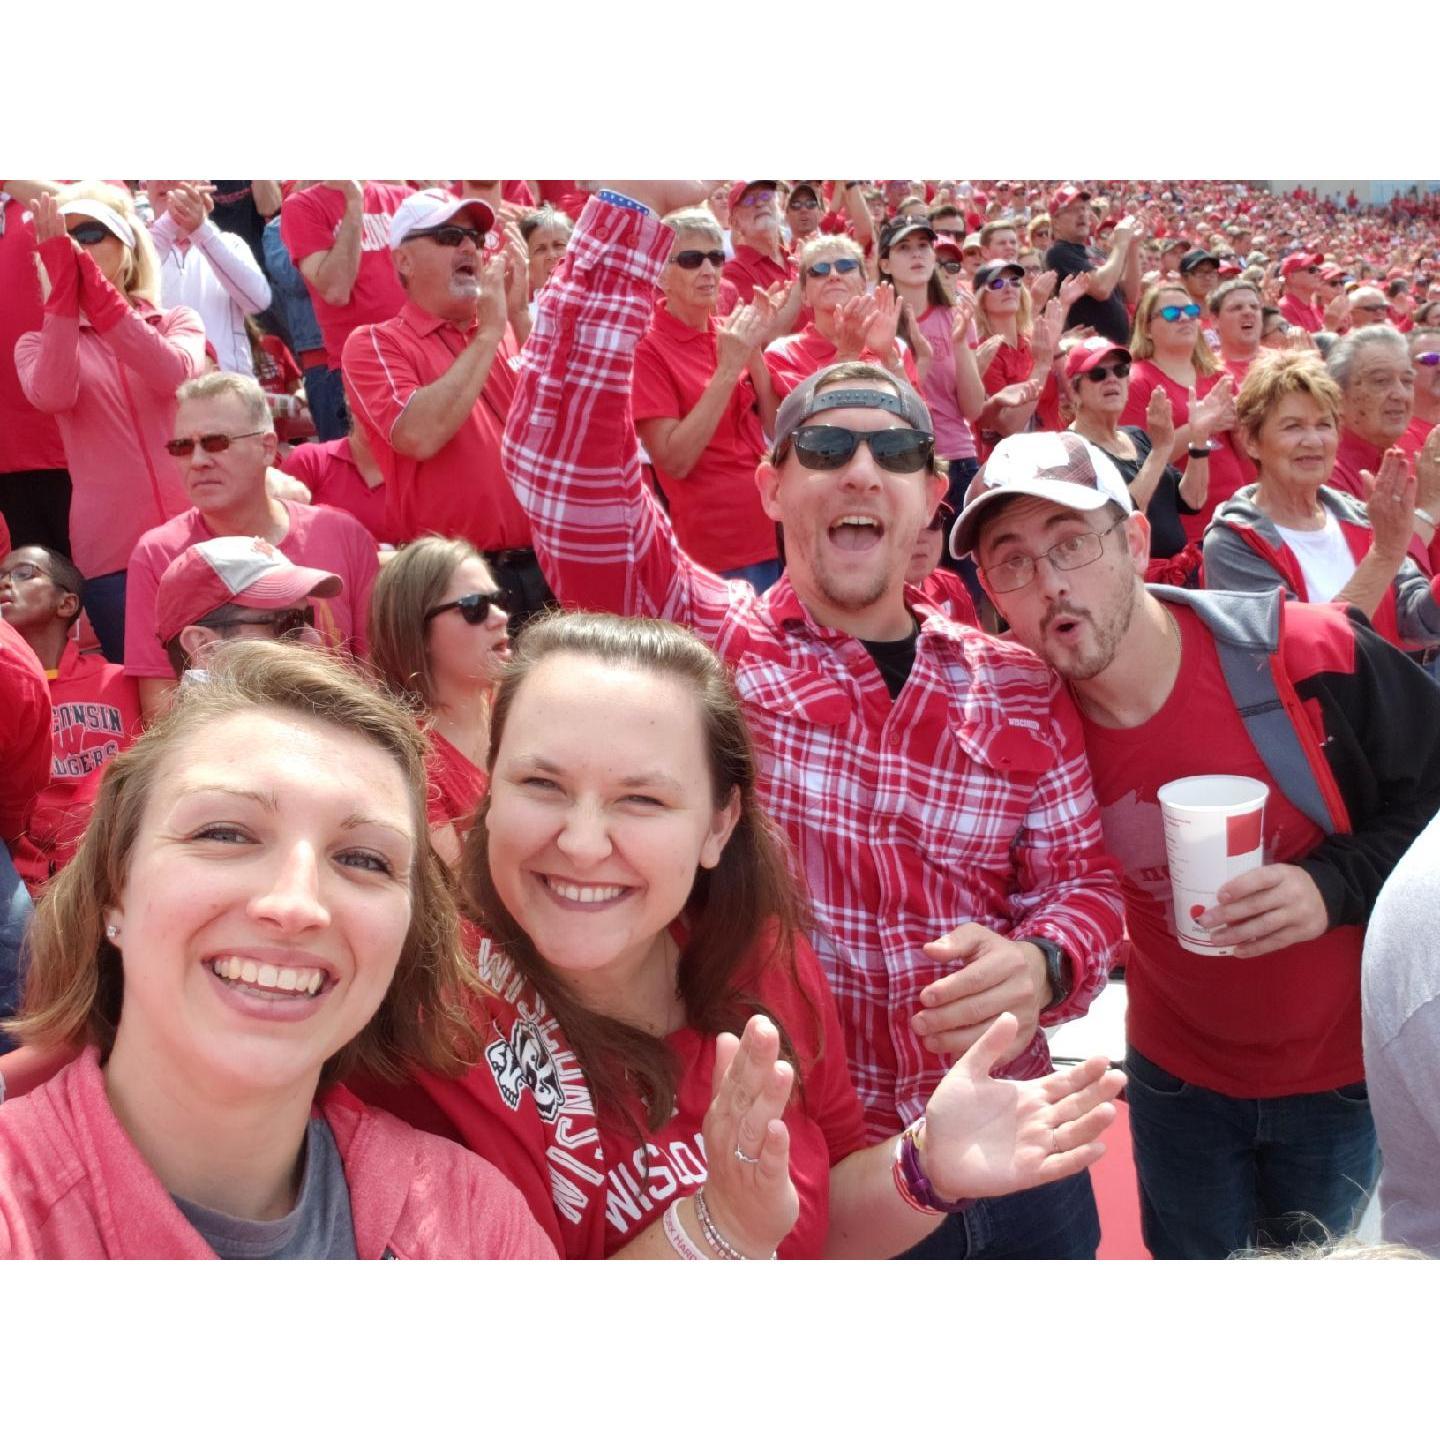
(106,363)
(254,912)
(438,639)
(1169,353)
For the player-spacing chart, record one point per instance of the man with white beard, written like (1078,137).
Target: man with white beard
(760,255)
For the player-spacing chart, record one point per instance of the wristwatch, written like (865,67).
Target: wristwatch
(1057,968)
(1200,452)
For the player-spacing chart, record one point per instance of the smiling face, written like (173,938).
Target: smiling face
(1075,620)
(601,812)
(463,655)
(266,903)
(1296,442)
(849,533)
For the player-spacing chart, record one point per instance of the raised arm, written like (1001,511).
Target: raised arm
(331,273)
(570,452)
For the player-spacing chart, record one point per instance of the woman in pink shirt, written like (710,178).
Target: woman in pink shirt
(106,363)
(254,911)
(438,638)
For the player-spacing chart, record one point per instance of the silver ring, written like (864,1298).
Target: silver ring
(1054,1142)
(746,1159)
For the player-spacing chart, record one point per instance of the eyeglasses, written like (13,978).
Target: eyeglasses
(944,513)
(24,570)
(210,444)
(828,447)
(1098,373)
(752,198)
(694,259)
(1070,554)
(474,609)
(1427,357)
(822,268)
(92,234)
(278,622)
(951,267)
(1004,282)
(450,235)
(1172,313)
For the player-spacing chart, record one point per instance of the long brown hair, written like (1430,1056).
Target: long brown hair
(749,898)
(76,982)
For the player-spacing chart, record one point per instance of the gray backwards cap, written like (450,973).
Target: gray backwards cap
(803,402)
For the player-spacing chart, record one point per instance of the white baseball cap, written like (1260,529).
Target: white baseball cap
(429,209)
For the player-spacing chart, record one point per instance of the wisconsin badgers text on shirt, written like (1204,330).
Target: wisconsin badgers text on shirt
(85,735)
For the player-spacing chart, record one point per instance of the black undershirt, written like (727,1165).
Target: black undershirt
(894,659)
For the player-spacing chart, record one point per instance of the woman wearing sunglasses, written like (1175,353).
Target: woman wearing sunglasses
(438,638)
(641,915)
(106,363)
(846,323)
(253,913)
(1169,353)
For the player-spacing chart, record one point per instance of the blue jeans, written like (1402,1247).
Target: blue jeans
(104,602)
(15,913)
(1053,1222)
(1218,1175)
(325,396)
(762,574)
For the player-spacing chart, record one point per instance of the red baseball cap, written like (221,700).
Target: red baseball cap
(741,186)
(1300,260)
(1064,195)
(948,245)
(1085,356)
(233,570)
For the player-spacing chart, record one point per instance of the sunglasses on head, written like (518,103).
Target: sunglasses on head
(1173,313)
(450,235)
(822,268)
(1001,282)
(828,447)
(1120,369)
(210,444)
(92,233)
(474,609)
(694,259)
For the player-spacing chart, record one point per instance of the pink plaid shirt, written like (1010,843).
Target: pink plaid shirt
(968,798)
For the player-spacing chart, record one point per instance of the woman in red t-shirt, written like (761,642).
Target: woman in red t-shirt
(642,914)
(438,638)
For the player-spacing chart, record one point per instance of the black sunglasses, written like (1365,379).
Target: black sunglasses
(1098,373)
(92,234)
(951,267)
(694,259)
(278,622)
(450,235)
(944,513)
(474,609)
(822,268)
(210,444)
(828,447)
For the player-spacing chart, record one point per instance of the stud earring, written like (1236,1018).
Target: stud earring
(111,931)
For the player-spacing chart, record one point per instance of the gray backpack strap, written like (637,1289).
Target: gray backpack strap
(1247,633)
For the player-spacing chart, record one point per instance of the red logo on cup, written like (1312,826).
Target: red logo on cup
(1196,911)
(1242,833)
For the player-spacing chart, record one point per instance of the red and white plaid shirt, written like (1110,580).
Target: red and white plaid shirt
(966,799)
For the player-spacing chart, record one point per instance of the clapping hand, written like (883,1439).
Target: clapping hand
(1042,287)
(189,205)
(741,334)
(49,225)
(1160,420)
(1024,393)
(880,333)
(986,351)
(1427,472)
(1073,288)
(1216,412)
(749,1191)
(962,316)
(1391,506)
(491,309)
(852,325)
(985,1136)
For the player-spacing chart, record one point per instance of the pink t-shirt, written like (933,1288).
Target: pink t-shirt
(953,439)
(318,536)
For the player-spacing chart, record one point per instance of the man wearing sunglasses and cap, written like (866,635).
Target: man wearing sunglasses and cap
(1248,1110)
(761,258)
(1300,274)
(432,387)
(933,790)
(1113,281)
(224,443)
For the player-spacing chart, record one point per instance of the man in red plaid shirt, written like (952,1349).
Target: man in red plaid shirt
(931,778)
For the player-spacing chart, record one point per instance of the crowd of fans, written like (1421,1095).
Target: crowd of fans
(872,554)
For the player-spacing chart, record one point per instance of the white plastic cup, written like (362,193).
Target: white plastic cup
(1214,831)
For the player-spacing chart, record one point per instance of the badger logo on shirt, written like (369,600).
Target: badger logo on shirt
(525,1062)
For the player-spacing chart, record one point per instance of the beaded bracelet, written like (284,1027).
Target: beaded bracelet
(911,1181)
(722,1247)
(682,1244)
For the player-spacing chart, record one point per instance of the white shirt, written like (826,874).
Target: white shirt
(216,276)
(1323,556)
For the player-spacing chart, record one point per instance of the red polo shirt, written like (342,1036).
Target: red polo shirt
(715,509)
(1351,456)
(308,224)
(1297,312)
(461,490)
(328,470)
(749,270)
(795,358)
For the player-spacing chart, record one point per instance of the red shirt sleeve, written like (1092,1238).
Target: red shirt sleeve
(308,220)
(1141,386)
(25,749)
(381,378)
(654,395)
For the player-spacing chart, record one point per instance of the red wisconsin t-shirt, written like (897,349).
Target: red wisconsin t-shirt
(526,1107)
(309,221)
(1287,1023)
(1230,468)
(715,509)
(329,472)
